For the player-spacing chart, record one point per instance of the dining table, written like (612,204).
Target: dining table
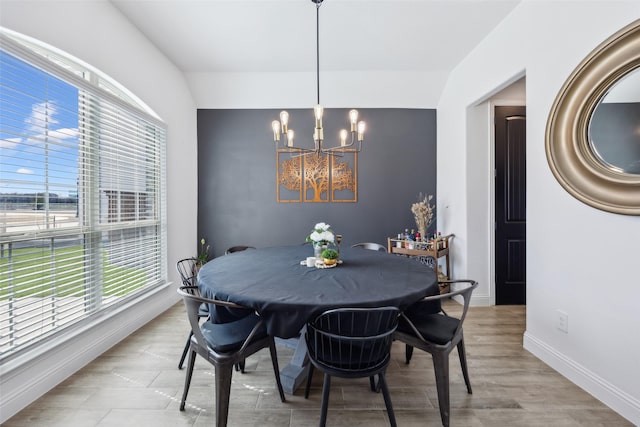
(277,283)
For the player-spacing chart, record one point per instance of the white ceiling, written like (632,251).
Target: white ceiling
(279,35)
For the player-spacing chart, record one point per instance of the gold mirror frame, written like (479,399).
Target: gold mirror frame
(569,154)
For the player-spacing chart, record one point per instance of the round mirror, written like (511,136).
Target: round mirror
(614,130)
(593,130)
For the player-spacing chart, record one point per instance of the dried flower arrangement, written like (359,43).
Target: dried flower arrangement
(423,213)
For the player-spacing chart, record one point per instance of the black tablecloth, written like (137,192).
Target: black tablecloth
(287,294)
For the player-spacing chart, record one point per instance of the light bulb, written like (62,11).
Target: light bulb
(284,119)
(317,110)
(290,135)
(343,137)
(361,131)
(275,125)
(353,117)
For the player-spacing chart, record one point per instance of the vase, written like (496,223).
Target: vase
(422,229)
(318,248)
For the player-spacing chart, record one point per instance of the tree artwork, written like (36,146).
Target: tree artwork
(290,178)
(316,177)
(342,178)
(321,178)
(290,174)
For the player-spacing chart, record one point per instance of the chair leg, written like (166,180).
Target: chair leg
(240,366)
(185,351)
(223,392)
(441,368)
(276,369)
(326,386)
(408,352)
(187,379)
(463,363)
(309,378)
(382,381)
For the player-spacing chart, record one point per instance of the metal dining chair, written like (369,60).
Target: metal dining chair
(370,246)
(351,343)
(188,271)
(430,329)
(224,345)
(238,248)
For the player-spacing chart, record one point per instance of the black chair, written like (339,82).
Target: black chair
(188,271)
(240,248)
(426,326)
(351,343)
(224,345)
(370,246)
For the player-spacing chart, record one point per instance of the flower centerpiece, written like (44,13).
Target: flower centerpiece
(321,237)
(203,254)
(423,213)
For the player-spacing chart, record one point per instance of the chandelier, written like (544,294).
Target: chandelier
(282,126)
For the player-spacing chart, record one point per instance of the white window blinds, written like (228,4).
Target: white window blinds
(82,217)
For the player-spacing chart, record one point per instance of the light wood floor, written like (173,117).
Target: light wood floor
(137,383)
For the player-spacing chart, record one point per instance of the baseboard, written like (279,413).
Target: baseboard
(24,382)
(480,301)
(618,400)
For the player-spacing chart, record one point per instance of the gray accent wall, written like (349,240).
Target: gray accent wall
(237,177)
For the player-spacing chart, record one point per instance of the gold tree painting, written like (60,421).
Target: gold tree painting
(289,177)
(344,177)
(316,178)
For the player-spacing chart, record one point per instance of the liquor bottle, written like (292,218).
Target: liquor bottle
(418,236)
(412,235)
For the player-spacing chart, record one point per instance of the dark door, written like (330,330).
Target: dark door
(511,212)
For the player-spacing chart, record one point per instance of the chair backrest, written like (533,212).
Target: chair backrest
(352,339)
(239,248)
(193,300)
(370,246)
(188,271)
(465,293)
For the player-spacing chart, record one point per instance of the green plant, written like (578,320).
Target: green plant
(329,254)
(203,255)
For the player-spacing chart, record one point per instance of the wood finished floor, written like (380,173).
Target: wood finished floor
(137,383)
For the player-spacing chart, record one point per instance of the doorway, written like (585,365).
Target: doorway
(510,204)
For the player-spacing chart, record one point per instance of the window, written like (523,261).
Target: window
(82,217)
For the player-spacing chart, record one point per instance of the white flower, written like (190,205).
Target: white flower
(321,226)
(321,234)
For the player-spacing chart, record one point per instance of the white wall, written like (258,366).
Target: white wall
(358,89)
(96,32)
(579,259)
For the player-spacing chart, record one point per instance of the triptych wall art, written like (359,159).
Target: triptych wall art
(316,178)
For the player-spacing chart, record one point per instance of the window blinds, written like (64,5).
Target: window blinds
(82,196)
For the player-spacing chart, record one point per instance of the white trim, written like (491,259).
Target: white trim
(481,301)
(618,400)
(25,383)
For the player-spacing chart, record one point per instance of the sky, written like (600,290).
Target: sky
(38,127)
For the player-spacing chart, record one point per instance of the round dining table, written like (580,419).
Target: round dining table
(276,283)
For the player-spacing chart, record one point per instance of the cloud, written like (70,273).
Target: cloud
(24,171)
(64,133)
(41,114)
(9,142)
